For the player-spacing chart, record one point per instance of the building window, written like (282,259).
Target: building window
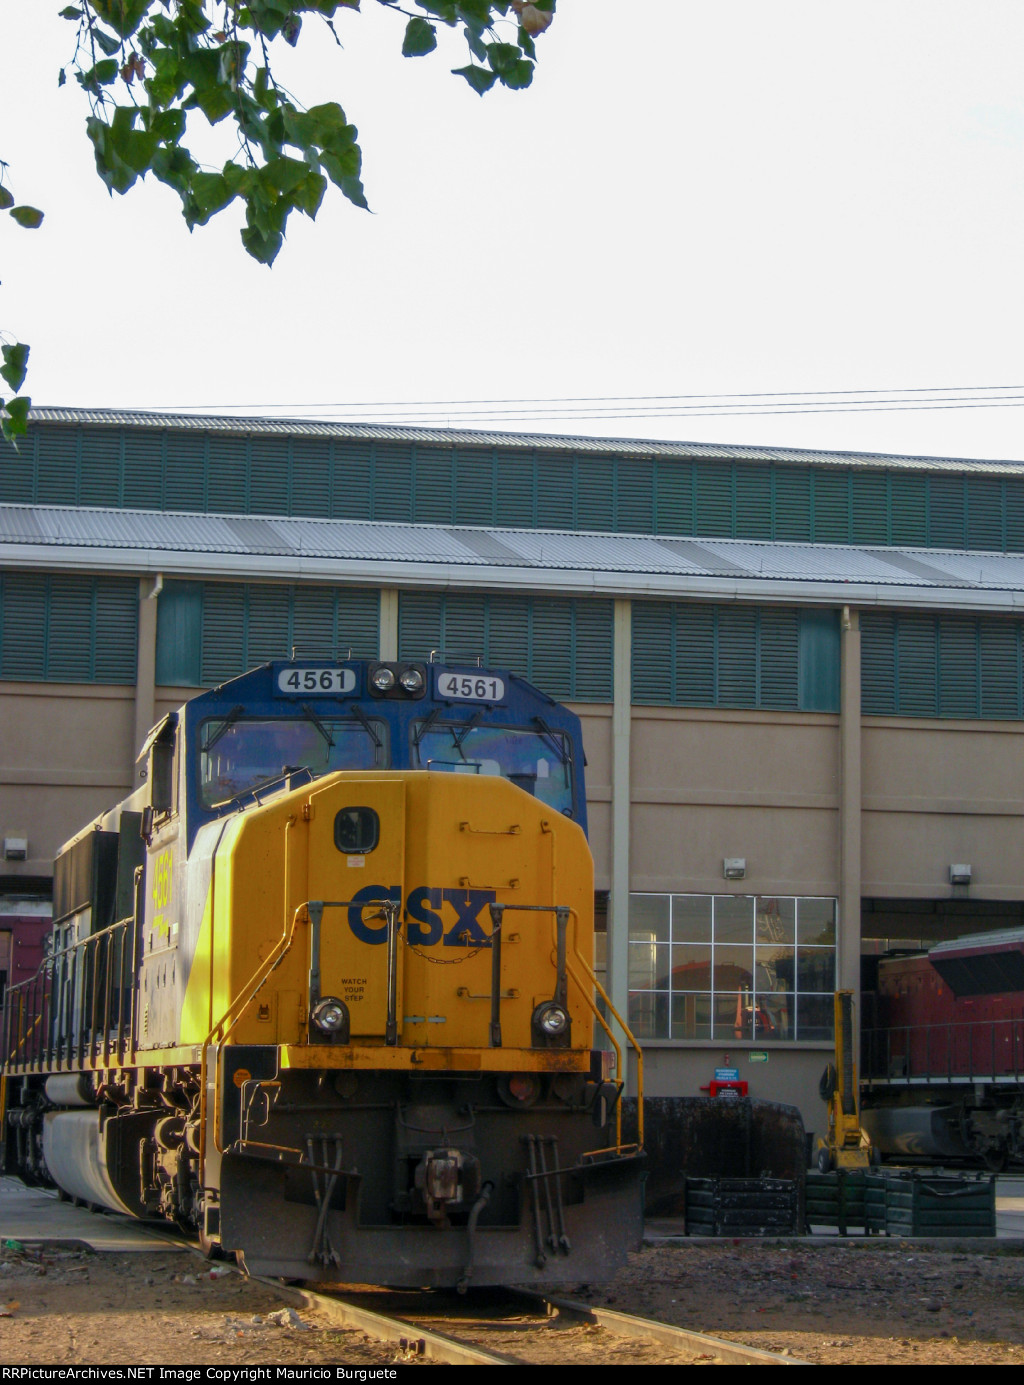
(731,967)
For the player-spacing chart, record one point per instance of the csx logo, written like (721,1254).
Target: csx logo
(430,916)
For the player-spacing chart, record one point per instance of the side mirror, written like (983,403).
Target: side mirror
(146,825)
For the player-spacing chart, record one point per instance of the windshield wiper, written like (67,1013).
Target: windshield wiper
(224,727)
(285,772)
(366,724)
(312,716)
(555,742)
(422,727)
(464,732)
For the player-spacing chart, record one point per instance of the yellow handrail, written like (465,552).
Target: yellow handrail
(244,999)
(620,1073)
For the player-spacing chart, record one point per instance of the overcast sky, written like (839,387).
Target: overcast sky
(692,199)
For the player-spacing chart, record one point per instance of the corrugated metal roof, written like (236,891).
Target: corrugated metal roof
(378,552)
(469,437)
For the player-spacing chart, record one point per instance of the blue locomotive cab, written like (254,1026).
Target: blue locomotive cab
(289,721)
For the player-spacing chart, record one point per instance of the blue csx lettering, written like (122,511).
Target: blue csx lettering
(425,927)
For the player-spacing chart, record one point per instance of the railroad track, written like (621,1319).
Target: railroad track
(509,1327)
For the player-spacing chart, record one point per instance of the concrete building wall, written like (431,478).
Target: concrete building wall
(938,793)
(66,754)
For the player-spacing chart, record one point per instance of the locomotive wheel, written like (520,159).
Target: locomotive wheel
(995,1160)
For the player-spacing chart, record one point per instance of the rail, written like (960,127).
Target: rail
(960,1050)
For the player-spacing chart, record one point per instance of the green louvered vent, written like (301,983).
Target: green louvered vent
(514,487)
(19,468)
(434,494)
(714,501)
(143,485)
(556,491)
(474,486)
(688,654)
(563,646)
(984,513)
(673,511)
(831,506)
(1014,510)
(945,666)
(595,501)
(101,468)
(908,510)
(634,497)
(946,511)
(228,478)
(311,478)
(516,491)
(269,476)
(780,633)
(56,459)
(352,493)
(223,632)
(392,496)
(59,629)
(753,502)
(869,507)
(878,664)
(248,624)
(792,503)
(185,474)
(917,670)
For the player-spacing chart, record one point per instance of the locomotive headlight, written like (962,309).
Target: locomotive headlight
(383,679)
(553,1020)
(411,680)
(329,1014)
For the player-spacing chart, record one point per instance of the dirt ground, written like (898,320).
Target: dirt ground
(844,1302)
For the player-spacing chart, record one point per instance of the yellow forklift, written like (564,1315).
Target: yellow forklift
(845,1146)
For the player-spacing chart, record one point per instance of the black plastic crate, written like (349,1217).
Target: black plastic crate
(743,1207)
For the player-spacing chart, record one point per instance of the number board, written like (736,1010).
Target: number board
(316,682)
(470,687)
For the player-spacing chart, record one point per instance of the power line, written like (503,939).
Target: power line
(614,399)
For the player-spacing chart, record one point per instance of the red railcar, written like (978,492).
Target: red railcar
(22,931)
(942,1068)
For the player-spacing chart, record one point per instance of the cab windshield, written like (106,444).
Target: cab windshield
(237,756)
(538,761)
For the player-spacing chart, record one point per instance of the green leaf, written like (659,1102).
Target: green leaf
(107,42)
(420,38)
(15,423)
(70,12)
(15,365)
(123,16)
(310,193)
(211,193)
(262,247)
(478,77)
(29,217)
(62,77)
(6,200)
(518,76)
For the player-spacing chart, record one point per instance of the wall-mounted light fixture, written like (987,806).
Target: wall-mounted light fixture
(15,848)
(960,875)
(734,867)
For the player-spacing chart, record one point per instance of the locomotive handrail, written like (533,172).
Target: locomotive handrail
(43,1037)
(611,1037)
(253,986)
(959,1061)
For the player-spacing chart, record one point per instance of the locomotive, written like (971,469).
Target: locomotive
(942,1068)
(321,991)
